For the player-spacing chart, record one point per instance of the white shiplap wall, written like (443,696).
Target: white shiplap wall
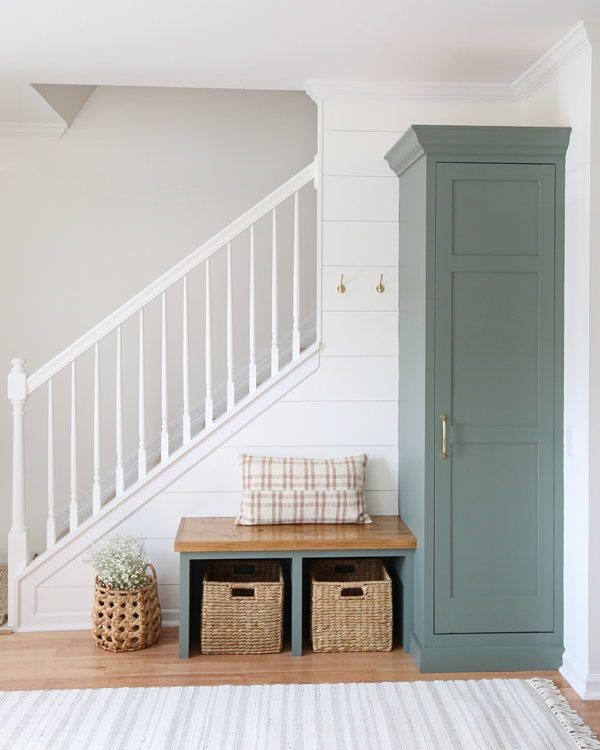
(350,405)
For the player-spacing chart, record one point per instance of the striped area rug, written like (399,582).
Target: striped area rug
(454,715)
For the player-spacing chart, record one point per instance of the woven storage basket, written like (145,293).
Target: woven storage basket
(351,605)
(242,608)
(126,620)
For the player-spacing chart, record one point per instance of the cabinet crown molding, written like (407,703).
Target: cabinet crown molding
(466,141)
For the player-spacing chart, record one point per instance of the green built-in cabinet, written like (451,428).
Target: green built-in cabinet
(481,343)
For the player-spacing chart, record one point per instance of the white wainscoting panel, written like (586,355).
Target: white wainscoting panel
(397,115)
(324,423)
(350,379)
(76,573)
(367,334)
(65,599)
(164,558)
(160,518)
(219,475)
(360,283)
(168,596)
(360,198)
(353,243)
(354,152)
(382,503)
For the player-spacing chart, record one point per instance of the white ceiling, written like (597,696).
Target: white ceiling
(278,44)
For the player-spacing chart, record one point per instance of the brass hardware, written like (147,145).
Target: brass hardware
(443,418)
(341,288)
(379,288)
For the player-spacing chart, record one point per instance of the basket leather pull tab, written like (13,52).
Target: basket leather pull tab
(345,569)
(244,570)
(242,593)
(353,592)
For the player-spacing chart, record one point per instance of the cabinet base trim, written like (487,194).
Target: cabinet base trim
(485,659)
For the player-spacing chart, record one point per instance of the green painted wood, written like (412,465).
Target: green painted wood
(402,559)
(460,143)
(413,390)
(184,605)
(486,659)
(297,605)
(405,569)
(495,369)
(523,435)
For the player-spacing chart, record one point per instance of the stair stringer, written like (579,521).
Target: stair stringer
(49,563)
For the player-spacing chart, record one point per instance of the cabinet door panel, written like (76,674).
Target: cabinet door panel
(494,379)
(480,209)
(497,313)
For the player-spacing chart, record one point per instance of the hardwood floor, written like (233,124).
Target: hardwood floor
(46,661)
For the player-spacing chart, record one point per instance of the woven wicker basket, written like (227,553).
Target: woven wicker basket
(126,620)
(351,606)
(242,608)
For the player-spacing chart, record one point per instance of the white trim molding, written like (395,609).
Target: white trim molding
(556,59)
(406,90)
(33,129)
(552,62)
(587,686)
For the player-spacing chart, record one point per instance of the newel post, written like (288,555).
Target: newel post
(17,537)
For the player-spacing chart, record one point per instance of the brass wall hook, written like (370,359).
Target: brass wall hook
(379,288)
(341,288)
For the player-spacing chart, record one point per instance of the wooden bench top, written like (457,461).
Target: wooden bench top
(221,534)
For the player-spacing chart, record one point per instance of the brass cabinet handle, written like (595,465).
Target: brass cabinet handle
(443,418)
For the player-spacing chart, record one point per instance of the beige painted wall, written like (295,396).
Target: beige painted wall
(141,179)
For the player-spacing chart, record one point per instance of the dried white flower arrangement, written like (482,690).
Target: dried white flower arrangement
(120,562)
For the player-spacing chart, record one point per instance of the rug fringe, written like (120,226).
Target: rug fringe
(578,730)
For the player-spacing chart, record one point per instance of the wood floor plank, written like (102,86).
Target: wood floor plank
(67,660)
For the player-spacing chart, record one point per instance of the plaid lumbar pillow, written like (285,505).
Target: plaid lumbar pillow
(302,490)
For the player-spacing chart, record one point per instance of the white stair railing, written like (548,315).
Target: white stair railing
(21,386)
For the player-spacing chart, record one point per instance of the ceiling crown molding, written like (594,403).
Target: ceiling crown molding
(318,90)
(32,129)
(558,57)
(552,62)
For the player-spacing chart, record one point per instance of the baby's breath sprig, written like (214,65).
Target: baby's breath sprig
(120,562)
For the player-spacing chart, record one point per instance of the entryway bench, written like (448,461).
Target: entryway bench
(221,539)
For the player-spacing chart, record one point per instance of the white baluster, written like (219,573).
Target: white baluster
(164,432)
(230,383)
(73,520)
(208,403)
(274,309)
(96,488)
(18,552)
(252,365)
(51,522)
(119,474)
(142,404)
(187,422)
(296,282)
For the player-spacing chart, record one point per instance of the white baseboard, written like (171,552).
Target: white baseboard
(53,622)
(587,686)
